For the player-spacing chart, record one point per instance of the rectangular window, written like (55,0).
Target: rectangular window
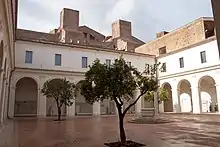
(28,57)
(147,69)
(164,67)
(162,50)
(92,37)
(84,62)
(58,59)
(129,63)
(181,62)
(108,62)
(203,56)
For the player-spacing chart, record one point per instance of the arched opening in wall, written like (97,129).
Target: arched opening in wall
(185,96)
(51,106)
(208,96)
(108,107)
(82,107)
(168,105)
(26,95)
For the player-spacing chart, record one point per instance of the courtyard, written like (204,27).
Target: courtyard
(181,131)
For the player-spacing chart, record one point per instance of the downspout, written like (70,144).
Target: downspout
(156,105)
(9,89)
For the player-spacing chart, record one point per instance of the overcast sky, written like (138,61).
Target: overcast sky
(147,16)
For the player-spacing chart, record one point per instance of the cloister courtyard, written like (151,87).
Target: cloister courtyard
(181,130)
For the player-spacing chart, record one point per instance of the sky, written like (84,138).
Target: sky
(147,16)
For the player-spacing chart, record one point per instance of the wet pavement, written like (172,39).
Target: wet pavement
(182,131)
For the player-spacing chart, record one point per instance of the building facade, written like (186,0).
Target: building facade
(7,26)
(37,62)
(189,57)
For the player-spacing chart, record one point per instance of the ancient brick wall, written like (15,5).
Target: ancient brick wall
(121,29)
(69,19)
(187,35)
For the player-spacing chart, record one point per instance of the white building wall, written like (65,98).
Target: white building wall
(43,68)
(193,72)
(192,60)
(44,57)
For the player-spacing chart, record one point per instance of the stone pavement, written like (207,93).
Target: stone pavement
(183,131)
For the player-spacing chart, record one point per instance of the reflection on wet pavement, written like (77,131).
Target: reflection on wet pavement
(182,131)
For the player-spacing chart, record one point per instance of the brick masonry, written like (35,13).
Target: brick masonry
(185,36)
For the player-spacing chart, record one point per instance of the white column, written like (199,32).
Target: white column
(138,104)
(11,102)
(42,105)
(176,100)
(196,97)
(71,110)
(96,109)
(156,105)
(218,96)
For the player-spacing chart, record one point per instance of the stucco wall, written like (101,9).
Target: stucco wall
(44,57)
(192,59)
(177,39)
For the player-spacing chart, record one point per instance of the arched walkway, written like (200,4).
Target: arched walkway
(82,107)
(52,106)
(168,105)
(108,107)
(26,95)
(208,97)
(185,96)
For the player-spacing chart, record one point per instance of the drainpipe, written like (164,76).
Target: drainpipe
(9,89)
(156,105)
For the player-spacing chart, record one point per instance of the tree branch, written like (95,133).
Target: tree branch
(121,102)
(132,104)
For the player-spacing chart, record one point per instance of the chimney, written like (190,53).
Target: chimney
(69,19)
(216,14)
(160,34)
(121,29)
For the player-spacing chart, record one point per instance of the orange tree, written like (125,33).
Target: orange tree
(116,82)
(61,90)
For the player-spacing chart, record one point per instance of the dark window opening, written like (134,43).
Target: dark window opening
(92,37)
(181,62)
(209,29)
(163,68)
(85,35)
(203,57)
(162,50)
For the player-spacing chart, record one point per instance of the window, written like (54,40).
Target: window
(84,62)
(181,62)
(108,62)
(58,59)
(92,37)
(147,68)
(203,56)
(129,63)
(28,57)
(162,50)
(163,68)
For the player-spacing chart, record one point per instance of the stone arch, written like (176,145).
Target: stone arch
(26,96)
(207,94)
(51,106)
(81,106)
(168,105)
(185,96)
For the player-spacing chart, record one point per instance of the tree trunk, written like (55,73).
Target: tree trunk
(59,112)
(121,126)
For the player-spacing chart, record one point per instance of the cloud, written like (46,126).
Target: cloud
(147,16)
